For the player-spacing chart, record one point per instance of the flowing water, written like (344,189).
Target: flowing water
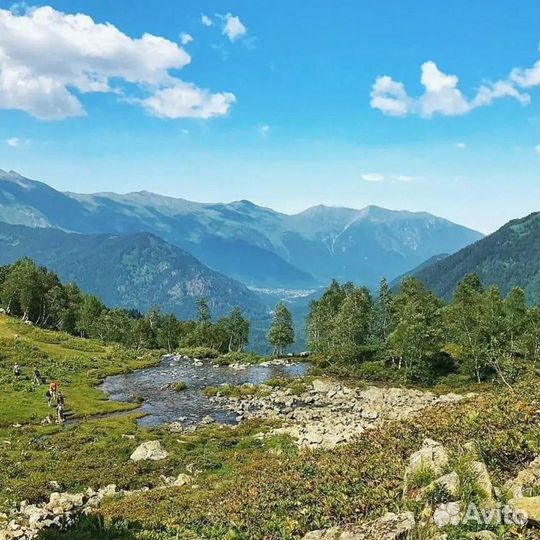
(162,404)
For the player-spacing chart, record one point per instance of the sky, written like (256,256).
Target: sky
(417,105)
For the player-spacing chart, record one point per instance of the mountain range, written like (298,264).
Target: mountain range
(136,270)
(508,257)
(256,245)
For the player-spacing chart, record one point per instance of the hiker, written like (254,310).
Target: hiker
(53,388)
(49,396)
(60,409)
(17,370)
(36,376)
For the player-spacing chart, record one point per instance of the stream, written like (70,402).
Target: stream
(164,405)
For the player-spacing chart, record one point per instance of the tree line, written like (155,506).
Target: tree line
(478,334)
(37,295)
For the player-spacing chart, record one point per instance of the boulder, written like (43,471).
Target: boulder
(526,507)
(149,450)
(528,478)
(432,456)
(392,526)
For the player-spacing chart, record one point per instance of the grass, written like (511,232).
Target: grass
(78,365)
(246,486)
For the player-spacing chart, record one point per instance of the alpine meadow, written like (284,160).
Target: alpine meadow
(269,271)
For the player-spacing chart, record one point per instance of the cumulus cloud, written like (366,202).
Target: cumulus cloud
(404,178)
(443,97)
(185,38)
(372,177)
(233,27)
(48,58)
(264,130)
(13,142)
(185,100)
(461,145)
(206,20)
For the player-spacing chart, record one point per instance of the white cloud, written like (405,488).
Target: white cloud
(372,177)
(206,20)
(185,38)
(526,77)
(13,142)
(233,27)
(264,130)
(442,95)
(404,178)
(461,145)
(185,100)
(537,147)
(46,55)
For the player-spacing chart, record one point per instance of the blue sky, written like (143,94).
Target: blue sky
(288,104)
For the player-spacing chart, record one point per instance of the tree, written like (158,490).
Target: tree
(463,322)
(383,314)
(204,315)
(417,336)
(168,334)
(515,316)
(236,330)
(90,312)
(320,322)
(353,324)
(281,332)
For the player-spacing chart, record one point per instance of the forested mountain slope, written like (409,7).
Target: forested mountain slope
(508,257)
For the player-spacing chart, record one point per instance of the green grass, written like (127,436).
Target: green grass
(246,486)
(78,365)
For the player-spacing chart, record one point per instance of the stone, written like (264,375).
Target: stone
(149,450)
(527,507)
(482,535)
(333,533)
(392,526)
(207,420)
(182,479)
(447,514)
(450,482)
(388,527)
(432,456)
(528,478)
(483,480)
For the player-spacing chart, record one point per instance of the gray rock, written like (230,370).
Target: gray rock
(151,450)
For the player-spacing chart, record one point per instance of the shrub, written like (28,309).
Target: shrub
(179,386)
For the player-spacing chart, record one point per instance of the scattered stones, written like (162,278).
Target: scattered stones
(329,413)
(58,512)
(388,527)
(149,450)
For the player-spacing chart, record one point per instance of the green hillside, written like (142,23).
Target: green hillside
(508,257)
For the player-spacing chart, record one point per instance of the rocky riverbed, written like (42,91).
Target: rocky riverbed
(329,413)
